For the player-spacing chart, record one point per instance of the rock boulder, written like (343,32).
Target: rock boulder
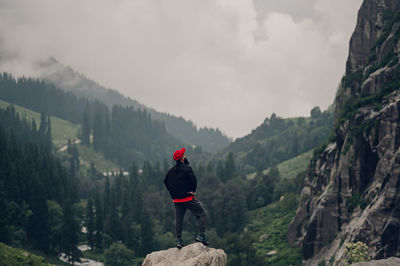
(194,254)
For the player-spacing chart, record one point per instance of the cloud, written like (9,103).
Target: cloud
(225,64)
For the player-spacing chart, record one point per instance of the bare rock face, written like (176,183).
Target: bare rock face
(387,262)
(353,188)
(370,25)
(194,254)
(374,39)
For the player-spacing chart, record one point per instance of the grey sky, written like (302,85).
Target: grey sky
(220,63)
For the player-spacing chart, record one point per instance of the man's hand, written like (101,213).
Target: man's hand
(191,192)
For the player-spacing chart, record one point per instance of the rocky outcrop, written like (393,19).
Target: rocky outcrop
(370,25)
(387,262)
(194,254)
(353,187)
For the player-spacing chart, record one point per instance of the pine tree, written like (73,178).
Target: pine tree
(118,188)
(146,234)
(134,176)
(98,133)
(92,172)
(48,134)
(229,166)
(295,145)
(45,131)
(210,167)
(73,180)
(38,228)
(70,232)
(99,224)
(107,196)
(127,214)
(43,123)
(220,171)
(75,155)
(5,235)
(90,223)
(86,126)
(136,190)
(112,225)
(69,146)
(274,171)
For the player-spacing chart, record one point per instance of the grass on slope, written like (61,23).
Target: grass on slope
(273,220)
(15,256)
(291,168)
(61,130)
(88,155)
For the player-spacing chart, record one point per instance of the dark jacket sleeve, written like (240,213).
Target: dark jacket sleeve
(192,182)
(166,182)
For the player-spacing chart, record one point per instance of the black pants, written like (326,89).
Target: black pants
(195,207)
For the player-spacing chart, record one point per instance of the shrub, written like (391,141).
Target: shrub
(356,252)
(332,260)
(356,201)
(118,255)
(353,202)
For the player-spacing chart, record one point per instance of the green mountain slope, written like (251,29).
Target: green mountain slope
(15,256)
(122,134)
(62,131)
(290,168)
(269,225)
(279,139)
(68,79)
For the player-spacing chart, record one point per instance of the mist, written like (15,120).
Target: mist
(225,64)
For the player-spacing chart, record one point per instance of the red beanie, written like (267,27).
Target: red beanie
(178,154)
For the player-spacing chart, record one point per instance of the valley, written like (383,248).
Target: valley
(82,169)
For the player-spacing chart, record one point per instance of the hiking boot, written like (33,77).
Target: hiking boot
(202,238)
(179,243)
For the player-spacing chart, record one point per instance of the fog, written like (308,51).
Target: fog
(221,63)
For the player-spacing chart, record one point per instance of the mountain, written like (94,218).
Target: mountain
(62,132)
(122,134)
(68,79)
(352,192)
(278,139)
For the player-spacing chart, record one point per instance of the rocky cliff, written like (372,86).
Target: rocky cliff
(386,262)
(352,191)
(191,255)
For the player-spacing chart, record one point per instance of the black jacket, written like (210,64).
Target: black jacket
(180,180)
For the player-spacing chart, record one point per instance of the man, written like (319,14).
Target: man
(181,184)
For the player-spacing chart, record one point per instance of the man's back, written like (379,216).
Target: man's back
(180,180)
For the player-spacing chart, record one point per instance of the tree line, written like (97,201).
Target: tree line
(136,211)
(37,193)
(44,97)
(278,139)
(45,202)
(123,134)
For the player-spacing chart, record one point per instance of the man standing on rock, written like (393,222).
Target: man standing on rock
(181,184)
